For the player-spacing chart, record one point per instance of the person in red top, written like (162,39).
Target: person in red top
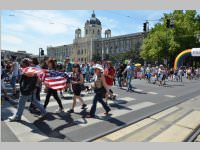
(109,74)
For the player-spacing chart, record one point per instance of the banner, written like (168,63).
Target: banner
(195,52)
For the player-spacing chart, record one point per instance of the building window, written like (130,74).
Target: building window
(86,31)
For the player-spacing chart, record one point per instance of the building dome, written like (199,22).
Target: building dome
(93,20)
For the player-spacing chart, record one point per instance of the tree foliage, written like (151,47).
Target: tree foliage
(162,42)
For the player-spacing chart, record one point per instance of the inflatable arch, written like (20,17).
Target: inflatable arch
(189,52)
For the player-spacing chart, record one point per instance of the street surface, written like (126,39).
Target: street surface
(146,101)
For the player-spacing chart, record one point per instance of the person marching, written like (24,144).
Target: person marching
(77,80)
(100,89)
(50,91)
(109,75)
(68,69)
(27,85)
(120,75)
(130,72)
(37,90)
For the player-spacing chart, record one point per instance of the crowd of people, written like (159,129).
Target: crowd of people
(100,76)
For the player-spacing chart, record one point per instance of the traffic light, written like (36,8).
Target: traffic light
(42,52)
(168,23)
(145,27)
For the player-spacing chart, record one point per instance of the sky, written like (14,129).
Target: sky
(30,30)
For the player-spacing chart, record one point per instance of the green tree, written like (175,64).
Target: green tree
(96,57)
(162,42)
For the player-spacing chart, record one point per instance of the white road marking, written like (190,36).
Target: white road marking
(170,96)
(153,93)
(138,90)
(116,113)
(23,132)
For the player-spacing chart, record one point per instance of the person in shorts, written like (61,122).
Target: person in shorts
(76,80)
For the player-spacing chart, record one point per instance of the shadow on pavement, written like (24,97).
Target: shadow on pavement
(54,133)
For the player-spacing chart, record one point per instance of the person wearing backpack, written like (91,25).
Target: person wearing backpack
(27,85)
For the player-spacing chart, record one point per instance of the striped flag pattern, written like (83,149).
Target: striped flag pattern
(55,80)
(33,70)
(56,83)
(52,79)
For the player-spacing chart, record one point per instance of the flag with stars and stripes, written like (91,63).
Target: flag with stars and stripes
(56,80)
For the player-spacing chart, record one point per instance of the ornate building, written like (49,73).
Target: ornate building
(92,43)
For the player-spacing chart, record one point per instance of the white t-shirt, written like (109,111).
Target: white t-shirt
(148,70)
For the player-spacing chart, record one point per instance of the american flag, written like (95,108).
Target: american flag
(56,80)
(52,79)
(33,70)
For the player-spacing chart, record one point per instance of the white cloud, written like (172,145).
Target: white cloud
(15,27)
(49,22)
(108,22)
(11,39)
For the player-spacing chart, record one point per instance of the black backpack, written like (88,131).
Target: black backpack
(27,84)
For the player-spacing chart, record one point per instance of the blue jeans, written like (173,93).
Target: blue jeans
(87,77)
(129,78)
(98,97)
(22,102)
(13,81)
(119,81)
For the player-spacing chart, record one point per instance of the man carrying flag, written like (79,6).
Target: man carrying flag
(27,85)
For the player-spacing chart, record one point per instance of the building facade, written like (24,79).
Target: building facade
(7,54)
(92,43)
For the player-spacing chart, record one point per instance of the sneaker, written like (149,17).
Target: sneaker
(71,111)
(83,106)
(13,118)
(59,110)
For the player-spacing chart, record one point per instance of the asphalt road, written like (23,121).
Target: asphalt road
(146,100)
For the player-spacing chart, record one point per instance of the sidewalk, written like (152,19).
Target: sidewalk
(175,124)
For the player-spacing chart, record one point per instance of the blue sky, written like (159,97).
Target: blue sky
(31,29)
